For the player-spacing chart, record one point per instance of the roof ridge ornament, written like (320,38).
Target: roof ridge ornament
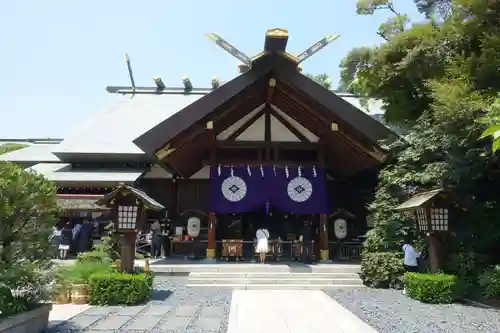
(130,73)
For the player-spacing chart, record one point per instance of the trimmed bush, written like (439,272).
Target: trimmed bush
(382,270)
(490,281)
(433,288)
(119,288)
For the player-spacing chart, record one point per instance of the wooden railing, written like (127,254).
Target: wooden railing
(345,250)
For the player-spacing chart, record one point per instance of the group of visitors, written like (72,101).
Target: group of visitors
(73,238)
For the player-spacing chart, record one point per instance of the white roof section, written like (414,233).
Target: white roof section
(113,130)
(63,173)
(33,153)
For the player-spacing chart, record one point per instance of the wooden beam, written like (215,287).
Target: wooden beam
(245,126)
(290,127)
(369,148)
(267,125)
(261,145)
(327,129)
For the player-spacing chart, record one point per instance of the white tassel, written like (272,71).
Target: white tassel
(286,172)
(219,170)
(248,170)
(274,169)
(232,172)
(262,171)
(314,171)
(299,171)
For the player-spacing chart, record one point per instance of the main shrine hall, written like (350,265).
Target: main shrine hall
(268,149)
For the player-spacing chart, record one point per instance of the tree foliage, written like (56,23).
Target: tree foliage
(322,79)
(27,215)
(440,81)
(8,147)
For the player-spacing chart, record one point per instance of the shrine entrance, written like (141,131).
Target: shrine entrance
(247,198)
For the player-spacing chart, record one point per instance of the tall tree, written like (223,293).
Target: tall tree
(442,80)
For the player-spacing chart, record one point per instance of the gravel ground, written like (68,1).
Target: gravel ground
(388,311)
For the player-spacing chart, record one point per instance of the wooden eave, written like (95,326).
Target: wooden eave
(316,108)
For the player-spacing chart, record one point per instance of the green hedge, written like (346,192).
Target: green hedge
(382,270)
(119,288)
(433,288)
(490,282)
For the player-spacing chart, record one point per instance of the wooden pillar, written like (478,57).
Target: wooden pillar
(211,245)
(127,255)
(435,243)
(174,199)
(323,218)
(212,219)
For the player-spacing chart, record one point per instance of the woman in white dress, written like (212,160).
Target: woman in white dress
(262,243)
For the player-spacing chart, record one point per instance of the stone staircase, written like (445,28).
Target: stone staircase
(257,276)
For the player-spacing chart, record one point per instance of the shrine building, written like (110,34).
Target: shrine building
(269,145)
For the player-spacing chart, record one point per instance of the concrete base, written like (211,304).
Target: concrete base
(209,261)
(326,261)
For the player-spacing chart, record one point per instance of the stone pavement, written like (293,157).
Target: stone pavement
(176,308)
(291,311)
(145,318)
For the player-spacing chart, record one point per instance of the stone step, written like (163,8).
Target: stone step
(275,286)
(271,280)
(254,268)
(273,275)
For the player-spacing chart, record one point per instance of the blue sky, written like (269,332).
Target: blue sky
(58,56)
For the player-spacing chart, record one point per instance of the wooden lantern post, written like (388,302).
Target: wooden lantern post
(433,212)
(128,208)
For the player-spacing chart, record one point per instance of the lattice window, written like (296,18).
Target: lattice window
(127,217)
(439,219)
(422,220)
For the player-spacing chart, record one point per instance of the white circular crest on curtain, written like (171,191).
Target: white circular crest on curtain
(299,189)
(234,188)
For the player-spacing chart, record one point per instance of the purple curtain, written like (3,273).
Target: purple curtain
(236,189)
(300,190)
(291,189)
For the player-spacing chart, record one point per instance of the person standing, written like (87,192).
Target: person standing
(262,243)
(156,240)
(307,246)
(410,259)
(55,238)
(66,239)
(85,239)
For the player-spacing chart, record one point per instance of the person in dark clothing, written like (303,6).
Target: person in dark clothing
(85,236)
(156,240)
(66,238)
(307,246)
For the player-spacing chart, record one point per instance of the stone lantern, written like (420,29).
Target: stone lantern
(128,208)
(433,211)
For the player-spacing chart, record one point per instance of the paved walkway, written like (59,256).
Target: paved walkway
(278,311)
(291,311)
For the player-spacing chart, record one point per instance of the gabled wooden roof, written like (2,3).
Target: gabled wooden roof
(327,103)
